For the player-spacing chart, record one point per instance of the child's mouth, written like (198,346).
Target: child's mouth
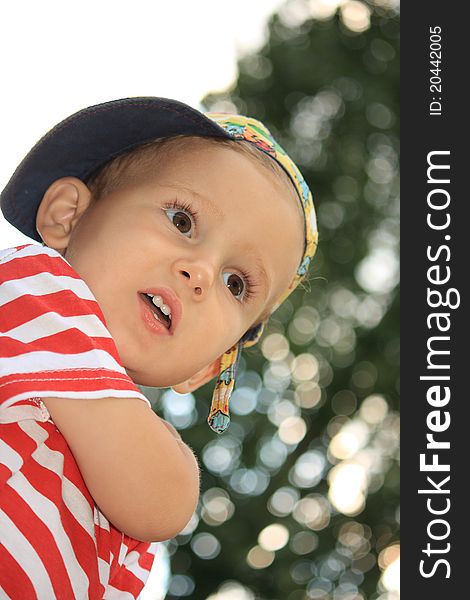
(158,308)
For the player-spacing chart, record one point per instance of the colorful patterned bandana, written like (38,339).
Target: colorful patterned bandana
(251,130)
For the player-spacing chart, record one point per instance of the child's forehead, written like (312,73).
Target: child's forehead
(262,163)
(251,157)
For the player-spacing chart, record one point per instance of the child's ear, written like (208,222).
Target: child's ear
(62,205)
(199,379)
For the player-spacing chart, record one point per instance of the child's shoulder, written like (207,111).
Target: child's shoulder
(31,260)
(35,275)
(33,252)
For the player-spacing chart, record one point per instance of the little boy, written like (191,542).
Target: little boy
(169,237)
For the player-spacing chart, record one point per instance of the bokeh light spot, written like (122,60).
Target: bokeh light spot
(216,507)
(312,511)
(243,400)
(282,409)
(373,409)
(308,394)
(304,542)
(277,376)
(355,15)
(273,537)
(283,500)
(302,571)
(348,483)
(232,590)
(308,469)
(378,272)
(304,325)
(344,402)
(292,430)
(275,347)
(181,585)
(364,375)
(319,589)
(259,558)
(388,555)
(390,558)
(205,545)
(305,367)
(179,409)
(352,437)
(221,455)
(379,115)
(272,453)
(252,482)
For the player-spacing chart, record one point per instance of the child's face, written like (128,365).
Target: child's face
(127,244)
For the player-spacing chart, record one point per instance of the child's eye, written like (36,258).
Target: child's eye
(234,283)
(240,286)
(180,220)
(182,216)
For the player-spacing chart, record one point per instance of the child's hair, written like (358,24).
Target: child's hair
(139,163)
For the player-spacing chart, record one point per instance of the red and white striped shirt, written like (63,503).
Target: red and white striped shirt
(54,541)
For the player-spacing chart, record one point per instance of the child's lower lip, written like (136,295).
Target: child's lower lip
(150,321)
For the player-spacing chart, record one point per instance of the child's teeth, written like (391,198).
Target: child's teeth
(158,301)
(165,309)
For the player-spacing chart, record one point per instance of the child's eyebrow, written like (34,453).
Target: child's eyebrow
(214,209)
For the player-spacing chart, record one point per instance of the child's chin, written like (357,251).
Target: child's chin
(145,379)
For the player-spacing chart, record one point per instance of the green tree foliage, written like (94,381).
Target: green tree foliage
(329,358)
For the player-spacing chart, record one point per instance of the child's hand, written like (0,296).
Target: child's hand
(141,474)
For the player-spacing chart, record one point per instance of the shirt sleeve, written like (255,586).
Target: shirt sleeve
(53,336)
(132,572)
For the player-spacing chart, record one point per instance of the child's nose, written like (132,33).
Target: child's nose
(198,275)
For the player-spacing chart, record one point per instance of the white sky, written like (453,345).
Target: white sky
(60,56)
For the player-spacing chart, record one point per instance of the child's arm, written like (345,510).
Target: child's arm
(140,473)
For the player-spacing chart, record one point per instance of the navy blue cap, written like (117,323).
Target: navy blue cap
(88,139)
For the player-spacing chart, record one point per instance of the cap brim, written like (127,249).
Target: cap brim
(86,140)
